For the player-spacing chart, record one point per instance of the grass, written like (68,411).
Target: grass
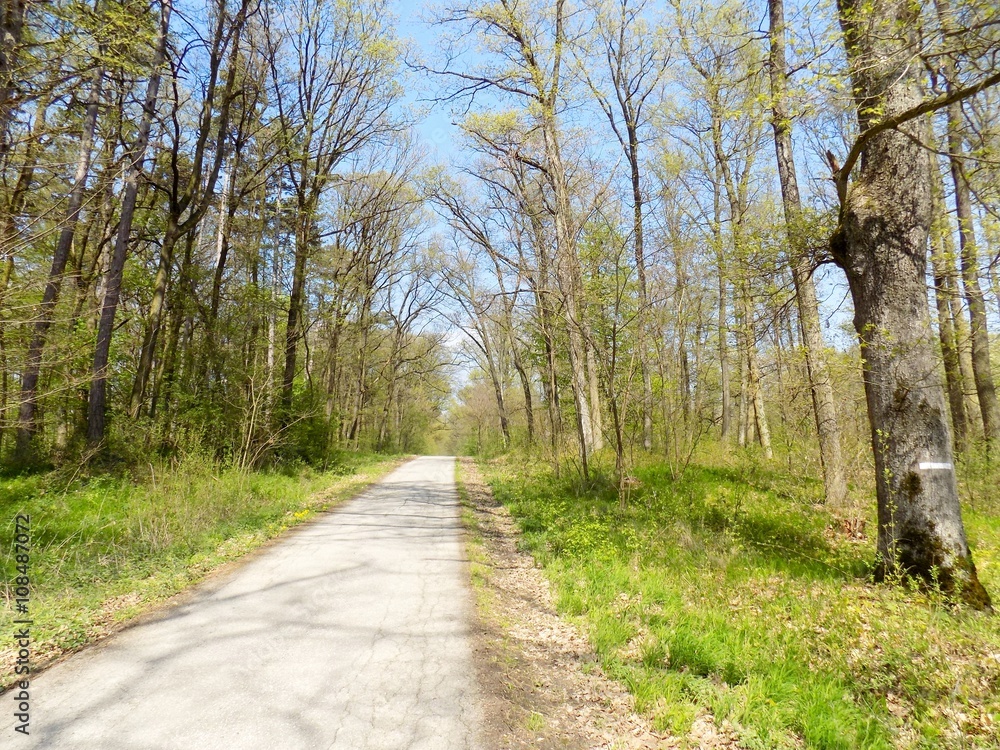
(732,591)
(105,549)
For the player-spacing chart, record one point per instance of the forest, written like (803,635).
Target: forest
(624,252)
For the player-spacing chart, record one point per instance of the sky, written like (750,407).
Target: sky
(441,138)
(435,129)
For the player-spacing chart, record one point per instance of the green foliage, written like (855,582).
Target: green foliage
(730,590)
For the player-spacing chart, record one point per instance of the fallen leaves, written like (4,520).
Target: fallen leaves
(558,692)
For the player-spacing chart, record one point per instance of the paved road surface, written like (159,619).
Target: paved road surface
(350,633)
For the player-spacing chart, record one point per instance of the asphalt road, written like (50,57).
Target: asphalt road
(350,633)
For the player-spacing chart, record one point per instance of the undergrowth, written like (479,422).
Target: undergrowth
(105,548)
(732,591)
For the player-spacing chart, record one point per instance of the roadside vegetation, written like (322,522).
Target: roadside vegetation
(108,548)
(732,590)
(226,236)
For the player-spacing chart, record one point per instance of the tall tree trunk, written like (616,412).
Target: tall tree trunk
(336,327)
(642,321)
(293,329)
(272,308)
(594,384)
(193,198)
(529,411)
(10,237)
(542,286)
(390,396)
(881,243)
(29,380)
(760,416)
(360,394)
(681,325)
(97,403)
(723,316)
(498,390)
(824,410)
(942,254)
(12,16)
(744,424)
(723,327)
(508,301)
(227,212)
(980,340)
(164,385)
(568,272)
(551,383)
(569,278)
(144,368)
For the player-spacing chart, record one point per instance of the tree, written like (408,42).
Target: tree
(29,380)
(190,191)
(636,59)
(881,244)
(332,71)
(534,79)
(827,427)
(485,330)
(728,136)
(13,14)
(946,299)
(97,403)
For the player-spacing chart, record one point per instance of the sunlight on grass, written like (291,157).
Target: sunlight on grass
(106,548)
(732,591)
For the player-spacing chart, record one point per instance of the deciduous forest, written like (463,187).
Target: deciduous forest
(710,290)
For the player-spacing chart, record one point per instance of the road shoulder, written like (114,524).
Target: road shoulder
(542,686)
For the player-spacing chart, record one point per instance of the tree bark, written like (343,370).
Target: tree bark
(529,411)
(508,301)
(824,411)
(723,322)
(760,416)
(145,366)
(944,292)
(193,198)
(29,380)
(97,402)
(542,286)
(881,243)
(568,273)
(293,328)
(498,390)
(12,16)
(594,384)
(981,367)
(10,237)
(642,324)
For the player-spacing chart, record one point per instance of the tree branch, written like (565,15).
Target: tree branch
(930,105)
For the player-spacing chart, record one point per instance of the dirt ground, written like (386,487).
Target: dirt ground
(543,686)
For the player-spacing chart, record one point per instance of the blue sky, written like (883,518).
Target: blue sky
(440,137)
(435,129)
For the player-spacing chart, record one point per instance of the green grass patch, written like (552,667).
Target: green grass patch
(104,549)
(731,590)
